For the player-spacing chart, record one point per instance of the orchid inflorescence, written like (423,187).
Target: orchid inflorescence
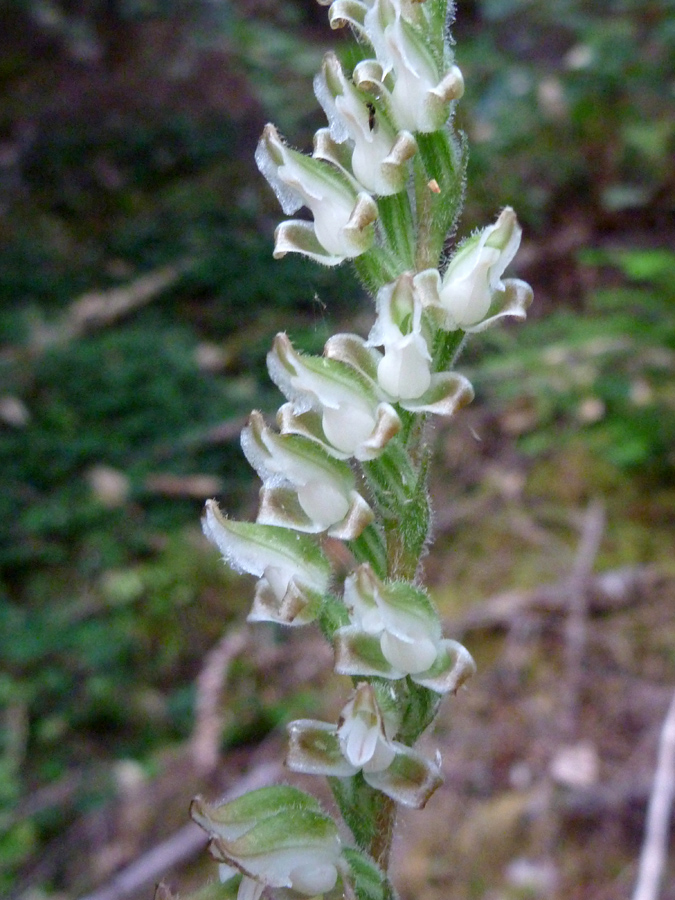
(348,458)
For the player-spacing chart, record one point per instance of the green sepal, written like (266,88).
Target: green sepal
(314,749)
(370,548)
(420,711)
(220,819)
(410,779)
(286,830)
(368,882)
(358,653)
(453,666)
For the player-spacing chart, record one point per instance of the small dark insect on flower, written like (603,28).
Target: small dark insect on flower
(371,116)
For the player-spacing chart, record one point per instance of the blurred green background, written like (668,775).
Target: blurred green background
(138,298)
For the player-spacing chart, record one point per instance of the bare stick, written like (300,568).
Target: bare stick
(655,845)
(611,590)
(210,685)
(576,630)
(97,309)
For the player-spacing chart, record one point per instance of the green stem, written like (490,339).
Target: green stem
(397,224)
(380,847)
(440,168)
(376,268)
(370,815)
(447,347)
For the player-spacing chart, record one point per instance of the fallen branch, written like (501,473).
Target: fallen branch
(614,589)
(592,530)
(655,846)
(210,685)
(97,309)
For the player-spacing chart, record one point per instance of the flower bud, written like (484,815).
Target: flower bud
(343,217)
(293,571)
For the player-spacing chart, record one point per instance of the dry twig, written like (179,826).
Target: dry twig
(97,309)
(210,686)
(611,590)
(655,845)
(576,626)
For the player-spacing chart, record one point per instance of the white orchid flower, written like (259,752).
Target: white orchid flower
(304,487)
(362,742)
(471,294)
(355,418)
(343,217)
(404,371)
(275,837)
(378,153)
(395,631)
(293,571)
(406,76)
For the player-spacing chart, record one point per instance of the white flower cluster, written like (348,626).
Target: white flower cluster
(377,116)
(337,410)
(373,115)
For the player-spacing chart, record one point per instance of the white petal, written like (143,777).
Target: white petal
(410,656)
(278,579)
(250,889)
(348,426)
(359,741)
(314,880)
(323,502)
(382,758)
(404,372)
(225,872)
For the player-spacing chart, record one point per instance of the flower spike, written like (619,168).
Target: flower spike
(348,458)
